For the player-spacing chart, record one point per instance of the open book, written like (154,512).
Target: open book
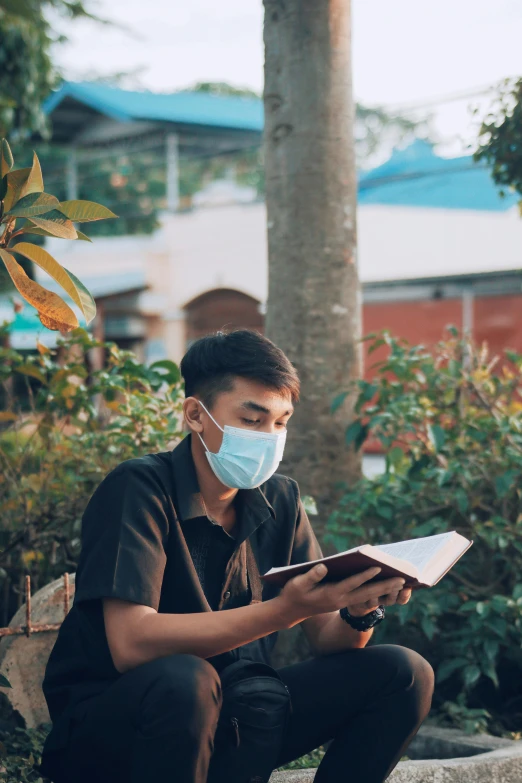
(421,561)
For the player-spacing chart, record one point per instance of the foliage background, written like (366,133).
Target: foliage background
(62,428)
(450,423)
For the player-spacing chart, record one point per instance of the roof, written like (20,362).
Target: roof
(186,108)
(417,177)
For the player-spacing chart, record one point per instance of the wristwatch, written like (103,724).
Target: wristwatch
(365,622)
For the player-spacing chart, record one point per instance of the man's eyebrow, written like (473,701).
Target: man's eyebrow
(254,406)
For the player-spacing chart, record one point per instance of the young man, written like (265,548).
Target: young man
(165,602)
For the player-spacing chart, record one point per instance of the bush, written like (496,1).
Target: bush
(64,427)
(451,430)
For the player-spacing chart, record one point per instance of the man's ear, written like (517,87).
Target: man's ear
(192,414)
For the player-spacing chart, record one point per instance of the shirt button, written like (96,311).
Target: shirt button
(227,595)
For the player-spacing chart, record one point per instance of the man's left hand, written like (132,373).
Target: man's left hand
(401,597)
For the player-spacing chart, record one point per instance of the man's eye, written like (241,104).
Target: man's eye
(250,421)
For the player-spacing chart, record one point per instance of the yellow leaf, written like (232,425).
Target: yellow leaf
(22,182)
(50,306)
(56,224)
(6,158)
(8,416)
(35,182)
(69,282)
(42,349)
(85,211)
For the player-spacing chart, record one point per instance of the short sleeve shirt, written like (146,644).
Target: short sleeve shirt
(139,544)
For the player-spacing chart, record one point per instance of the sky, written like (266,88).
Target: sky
(404,51)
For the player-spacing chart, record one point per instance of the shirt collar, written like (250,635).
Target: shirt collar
(253,505)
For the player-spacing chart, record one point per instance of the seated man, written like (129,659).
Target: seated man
(166,601)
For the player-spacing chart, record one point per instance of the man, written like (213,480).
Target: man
(165,602)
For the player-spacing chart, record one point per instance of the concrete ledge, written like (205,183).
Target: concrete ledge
(497,766)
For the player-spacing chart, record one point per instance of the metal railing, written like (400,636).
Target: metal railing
(30,628)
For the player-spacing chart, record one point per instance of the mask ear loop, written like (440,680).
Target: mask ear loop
(215,422)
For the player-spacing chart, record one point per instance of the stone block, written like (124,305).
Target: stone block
(23,659)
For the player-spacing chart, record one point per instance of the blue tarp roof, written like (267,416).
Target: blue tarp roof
(191,108)
(414,176)
(417,177)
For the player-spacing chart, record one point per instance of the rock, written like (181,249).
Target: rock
(498,766)
(432,742)
(23,659)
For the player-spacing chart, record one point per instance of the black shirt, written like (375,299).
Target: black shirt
(138,531)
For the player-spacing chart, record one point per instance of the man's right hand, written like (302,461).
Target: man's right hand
(304,596)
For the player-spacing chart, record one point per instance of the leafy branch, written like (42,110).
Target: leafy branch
(22,197)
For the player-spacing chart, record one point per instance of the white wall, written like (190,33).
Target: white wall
(226,247)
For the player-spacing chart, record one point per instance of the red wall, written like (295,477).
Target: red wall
(418,322)
(497,320)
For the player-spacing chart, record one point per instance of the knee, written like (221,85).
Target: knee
(411,674)
(181,689)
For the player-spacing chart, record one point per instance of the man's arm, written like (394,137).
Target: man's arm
(137,633)
(328,633)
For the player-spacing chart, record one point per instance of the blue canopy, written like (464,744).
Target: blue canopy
(417,177)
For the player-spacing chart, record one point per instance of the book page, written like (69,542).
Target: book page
(418,551)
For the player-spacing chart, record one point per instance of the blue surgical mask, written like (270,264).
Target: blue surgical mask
(246,459)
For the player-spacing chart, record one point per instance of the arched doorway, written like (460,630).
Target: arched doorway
(222,308)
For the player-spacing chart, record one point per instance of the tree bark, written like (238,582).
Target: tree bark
(314,304)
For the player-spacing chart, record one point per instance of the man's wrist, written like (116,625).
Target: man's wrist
(364,622)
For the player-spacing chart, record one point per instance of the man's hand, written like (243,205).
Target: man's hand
(304,596)
(399,597)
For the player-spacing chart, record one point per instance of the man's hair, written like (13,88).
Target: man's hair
(212,362)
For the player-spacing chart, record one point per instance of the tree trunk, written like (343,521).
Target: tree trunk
(314,308)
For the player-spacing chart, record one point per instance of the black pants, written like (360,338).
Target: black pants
(157,722)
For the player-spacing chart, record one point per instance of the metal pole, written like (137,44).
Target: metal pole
(467,313)
(172,171)
(72,174)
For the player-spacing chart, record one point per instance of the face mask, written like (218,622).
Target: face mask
(245,459)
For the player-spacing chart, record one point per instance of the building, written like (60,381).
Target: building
(437,243)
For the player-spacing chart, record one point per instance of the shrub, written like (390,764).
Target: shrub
(451,429)
(63,427)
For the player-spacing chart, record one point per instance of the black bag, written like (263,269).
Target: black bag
(252,724)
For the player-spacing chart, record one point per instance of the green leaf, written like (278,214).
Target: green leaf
(428,626)
(504,482)
(471,675)
(172,375)
(22,182)
(449,666)
(33,204)
(4,682)
(69,282)
(22,8)
(85,211)
(377,344)
(16,182)
(6,156)
(83,236)
(437,436)
(353,431)
(395,456)
(338,401)
(32,371)
(53,311)
(367,390)
(56,224)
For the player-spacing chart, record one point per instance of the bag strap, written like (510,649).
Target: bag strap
(254,579)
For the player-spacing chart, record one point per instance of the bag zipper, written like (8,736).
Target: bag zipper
(235,724)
